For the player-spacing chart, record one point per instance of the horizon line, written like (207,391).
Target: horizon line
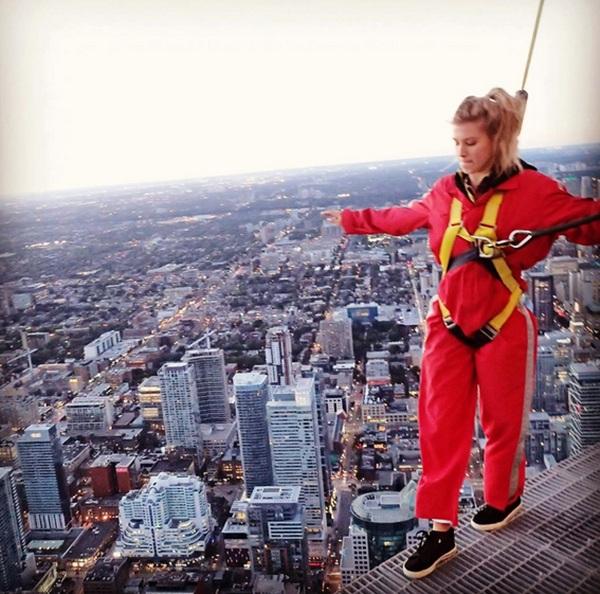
(231,176)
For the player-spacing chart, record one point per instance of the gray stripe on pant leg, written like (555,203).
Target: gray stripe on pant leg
(527,397)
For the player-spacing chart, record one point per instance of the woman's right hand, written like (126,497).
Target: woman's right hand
(332,216)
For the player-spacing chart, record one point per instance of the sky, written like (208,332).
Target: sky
(103,92)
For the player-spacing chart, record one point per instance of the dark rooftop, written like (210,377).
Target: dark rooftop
(554,546)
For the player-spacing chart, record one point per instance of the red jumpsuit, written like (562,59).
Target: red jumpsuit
(501,372)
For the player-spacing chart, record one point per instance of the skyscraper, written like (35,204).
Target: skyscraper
(41,459)
(295,451)
(544,377)
(169,517)
(278,354)
(12,536)
(181,412)
(584,405)
(251,395)
(211,384)
(541,291)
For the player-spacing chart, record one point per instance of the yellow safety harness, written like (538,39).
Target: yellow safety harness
(484,240)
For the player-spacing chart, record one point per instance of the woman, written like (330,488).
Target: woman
(480,340)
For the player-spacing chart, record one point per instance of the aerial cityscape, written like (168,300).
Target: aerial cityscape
(206,387)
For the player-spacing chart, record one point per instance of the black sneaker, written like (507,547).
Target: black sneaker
(434,549)
(489,518)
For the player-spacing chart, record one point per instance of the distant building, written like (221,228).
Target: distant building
(377,372)
(103,343)
(181,411)
(354,554)
(150,402)
(12,534)
(541,292)
(87,415)
(108,576)
(211,384)
(114,473)
(584,405)
(544,377)
(335,338)
(278,354)
(362,312)
(169,517)
(46,491)
(251,396)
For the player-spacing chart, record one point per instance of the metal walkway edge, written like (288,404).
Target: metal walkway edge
(553,547)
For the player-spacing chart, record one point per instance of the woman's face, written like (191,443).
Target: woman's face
(474,148)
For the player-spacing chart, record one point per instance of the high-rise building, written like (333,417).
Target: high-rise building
(544,377)
(103,343)
(211,384)
(276,526)
(12,535)
(354,554)
(584,405)
(169,517)
(181,411)
(151,402)
(335,337)
(278,354)
(541,291)
(294,438)
(41,459)
(251,396)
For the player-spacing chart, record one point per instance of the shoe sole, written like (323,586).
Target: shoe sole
(415,575)
(490,527)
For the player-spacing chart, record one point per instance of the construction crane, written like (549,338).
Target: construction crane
(205,337)
(27,352)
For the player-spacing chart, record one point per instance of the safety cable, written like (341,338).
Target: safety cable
(532,44)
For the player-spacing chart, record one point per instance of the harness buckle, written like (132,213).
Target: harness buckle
(487,248)
(514,240)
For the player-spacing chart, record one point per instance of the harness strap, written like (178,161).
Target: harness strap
(486,229)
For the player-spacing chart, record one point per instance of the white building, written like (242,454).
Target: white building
(86,415)
(211,384)
(278,355)
(169,517)
(181,412)
(102,344)
(295,447)
(354,559)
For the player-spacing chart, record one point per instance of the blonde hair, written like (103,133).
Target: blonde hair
(501,115)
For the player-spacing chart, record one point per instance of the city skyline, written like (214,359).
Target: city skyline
(114,94)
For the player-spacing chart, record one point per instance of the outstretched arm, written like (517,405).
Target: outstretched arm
(397,220)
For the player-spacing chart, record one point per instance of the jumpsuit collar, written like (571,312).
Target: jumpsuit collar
(463,182)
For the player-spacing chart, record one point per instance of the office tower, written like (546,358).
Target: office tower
(295,448)
(541,291)
(211,384)
(251,395)
(584,405)
(354,554)
(169,517)
(181,412)
(41,459)
(544,377)
(12,534)
(278,354)
(151,402)
(589,283)
(276,526)
(335,338)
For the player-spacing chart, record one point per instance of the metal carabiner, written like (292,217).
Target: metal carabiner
(514,241)
(487,248)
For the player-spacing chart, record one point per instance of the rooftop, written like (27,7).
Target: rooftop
(553,547)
